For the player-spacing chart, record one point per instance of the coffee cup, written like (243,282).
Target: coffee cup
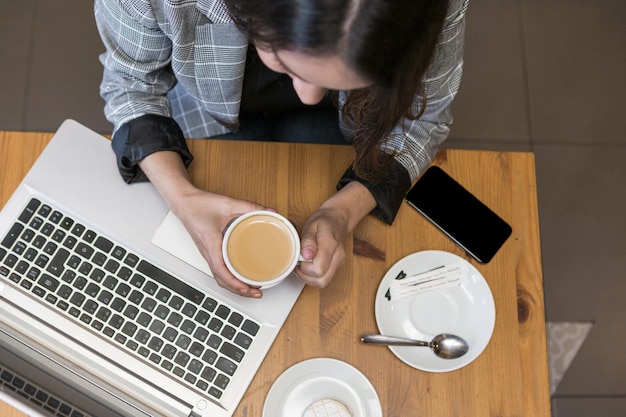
(261,248)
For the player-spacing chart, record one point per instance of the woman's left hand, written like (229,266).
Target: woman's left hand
(324,235)
(323,248)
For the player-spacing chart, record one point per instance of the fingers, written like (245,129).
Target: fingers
(325,254)
(225,279)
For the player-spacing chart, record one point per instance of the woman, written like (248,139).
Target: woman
(379,74)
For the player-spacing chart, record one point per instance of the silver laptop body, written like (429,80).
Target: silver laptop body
(51,325)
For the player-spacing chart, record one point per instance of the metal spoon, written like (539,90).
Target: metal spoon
(446,346)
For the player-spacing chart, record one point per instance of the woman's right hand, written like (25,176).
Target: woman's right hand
(204,214)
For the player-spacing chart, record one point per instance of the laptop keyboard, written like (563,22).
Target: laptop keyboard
(37,395)
(124,298)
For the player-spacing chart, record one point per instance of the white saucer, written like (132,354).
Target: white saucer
(316,379)
(466,310)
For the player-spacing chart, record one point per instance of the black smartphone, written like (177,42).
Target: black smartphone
(459,214)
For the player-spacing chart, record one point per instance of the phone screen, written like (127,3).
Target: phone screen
(459,214)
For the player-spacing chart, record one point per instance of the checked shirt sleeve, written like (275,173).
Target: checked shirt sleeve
(137,76)
(415,142)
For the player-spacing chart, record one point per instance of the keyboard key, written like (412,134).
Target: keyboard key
(77,299)
(208,373)
(148,304)
(195,366)
(56,217)
(131,312)
(176,302)
(243,340)
(209,357)
(215,324)
(103,314)
(104,244)
(56,267)
(196,349)
(201,334)
(80,283)
(118,253)
(162,312)
(157,326)
(214,392)
(209,304)
(169,351)
(99,258)
(90,306)
(156,343)
(170,282)
(135,297)
(188,326)
(182,359)
(50,248)
(12,236)
(183,341)
(69,242)
(123,289)
(232,351)
(29,210)
(202,317)
(150,288)
(221,381)
(85,268)
(225,365)
(163,295)
(89,236)
(174,319)
(214,341)
(235,319)
(92,289)
(129,329)
(137,280)
(250,327)
(84,250)
(116,321)
(124,273)
(78,229)
(111,266)
(222,311)
(48,282)
(38,291)
(66,223)
(142,336)
(170,334)
(64,291)
(47,229)
(105,297)
(131,260)
(36,223)
(118,304)
(228,332)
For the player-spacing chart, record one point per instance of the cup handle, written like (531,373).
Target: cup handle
(301,259)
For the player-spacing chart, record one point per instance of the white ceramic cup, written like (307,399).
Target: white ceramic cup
(261,248)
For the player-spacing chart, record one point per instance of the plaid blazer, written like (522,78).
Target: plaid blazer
(185,59)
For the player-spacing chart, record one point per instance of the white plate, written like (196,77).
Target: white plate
(321,378)
(467,311)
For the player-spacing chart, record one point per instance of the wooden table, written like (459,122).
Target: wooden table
(510,378)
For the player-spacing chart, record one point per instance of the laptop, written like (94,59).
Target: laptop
(99,319)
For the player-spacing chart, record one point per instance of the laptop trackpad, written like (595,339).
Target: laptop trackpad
(172,237)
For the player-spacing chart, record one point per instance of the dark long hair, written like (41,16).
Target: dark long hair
(390,42)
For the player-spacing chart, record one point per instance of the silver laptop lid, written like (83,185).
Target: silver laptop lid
(77,172)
